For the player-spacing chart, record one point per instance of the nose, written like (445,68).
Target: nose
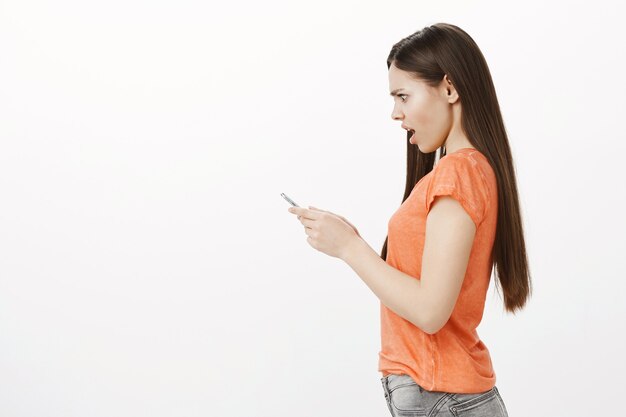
(396,115)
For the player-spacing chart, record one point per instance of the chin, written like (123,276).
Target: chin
(423,149)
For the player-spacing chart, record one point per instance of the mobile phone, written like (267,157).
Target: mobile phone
(289,200)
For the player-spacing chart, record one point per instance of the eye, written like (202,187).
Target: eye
(402,97)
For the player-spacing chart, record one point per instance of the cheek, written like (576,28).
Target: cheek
(421,116)
(430,117)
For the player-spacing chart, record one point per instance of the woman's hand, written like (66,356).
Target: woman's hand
(328,232)
(341,217)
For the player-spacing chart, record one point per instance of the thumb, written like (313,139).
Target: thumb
(318,209)
(325,211)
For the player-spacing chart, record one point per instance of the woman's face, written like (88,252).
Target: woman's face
(421,108)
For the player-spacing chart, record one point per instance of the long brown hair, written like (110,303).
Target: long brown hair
(428,55)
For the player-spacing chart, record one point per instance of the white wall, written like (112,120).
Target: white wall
(148,265)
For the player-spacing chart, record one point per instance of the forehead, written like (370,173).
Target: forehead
(399,79)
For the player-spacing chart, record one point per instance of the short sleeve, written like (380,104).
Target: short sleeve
(458,176)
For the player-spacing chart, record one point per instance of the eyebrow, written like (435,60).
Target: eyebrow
(394,92)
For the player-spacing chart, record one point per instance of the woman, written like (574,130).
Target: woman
(458,218)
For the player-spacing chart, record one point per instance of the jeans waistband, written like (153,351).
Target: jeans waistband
(391,381)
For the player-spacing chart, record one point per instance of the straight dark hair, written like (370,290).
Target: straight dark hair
(428,55)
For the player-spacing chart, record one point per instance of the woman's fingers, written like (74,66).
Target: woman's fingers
(341,217)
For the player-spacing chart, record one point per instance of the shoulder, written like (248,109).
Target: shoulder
(486,171)
(462,158)
(460,164)
(465,177)
(471,165)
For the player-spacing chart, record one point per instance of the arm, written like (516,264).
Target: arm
(429,301)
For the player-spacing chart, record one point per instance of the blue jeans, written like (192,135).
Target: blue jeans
(406,398)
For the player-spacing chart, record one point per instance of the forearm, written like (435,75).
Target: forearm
(398,291)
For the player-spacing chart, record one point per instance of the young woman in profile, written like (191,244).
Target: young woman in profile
(459,219)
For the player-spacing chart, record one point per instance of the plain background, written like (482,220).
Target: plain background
(149,266)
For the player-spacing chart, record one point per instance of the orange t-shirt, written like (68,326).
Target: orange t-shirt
(454,359)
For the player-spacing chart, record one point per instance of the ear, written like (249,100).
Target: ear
(450,91)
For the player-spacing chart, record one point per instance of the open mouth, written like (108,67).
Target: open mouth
(412,133)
